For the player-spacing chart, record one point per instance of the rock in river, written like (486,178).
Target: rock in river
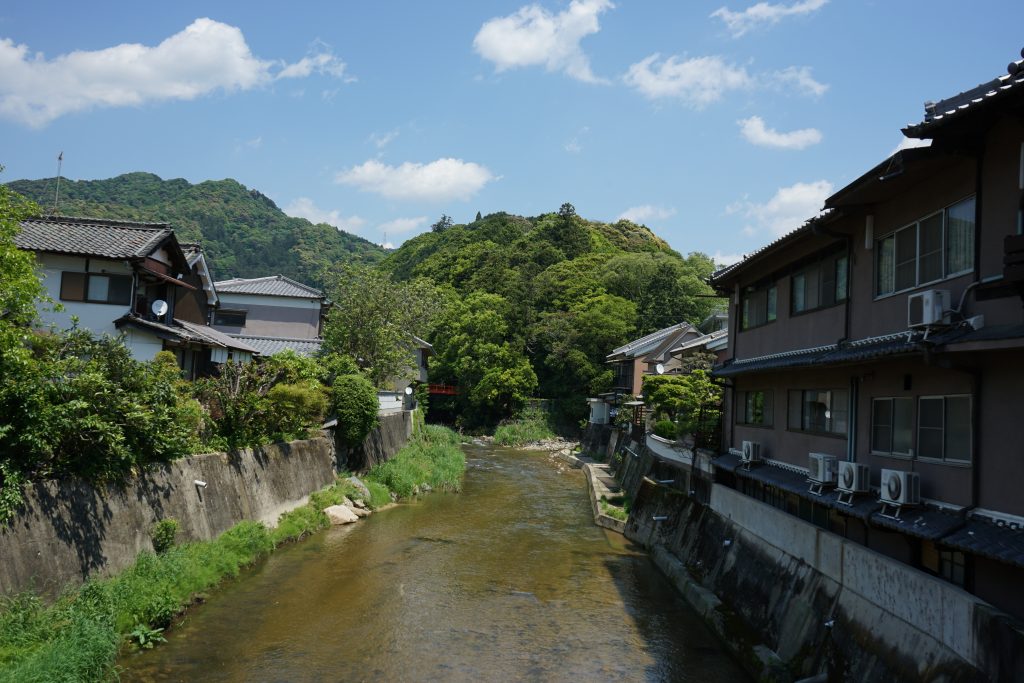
(339,514)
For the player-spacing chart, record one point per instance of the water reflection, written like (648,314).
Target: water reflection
(509,580)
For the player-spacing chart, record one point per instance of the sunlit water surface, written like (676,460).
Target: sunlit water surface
(509,580)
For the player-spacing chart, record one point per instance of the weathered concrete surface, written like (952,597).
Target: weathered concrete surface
(789,592)
(598,479)
(70,530)
(600,441)
(393,431)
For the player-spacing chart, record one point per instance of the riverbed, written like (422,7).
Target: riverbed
(508,580)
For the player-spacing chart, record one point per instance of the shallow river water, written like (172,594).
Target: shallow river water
(509,580)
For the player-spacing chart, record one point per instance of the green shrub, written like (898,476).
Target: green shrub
(354,400)
(163,533)
(666,429)
(295,409)
(532,426)
(434,458)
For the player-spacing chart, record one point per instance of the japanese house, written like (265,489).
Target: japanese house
(888,332)
(641,356)
(272,314)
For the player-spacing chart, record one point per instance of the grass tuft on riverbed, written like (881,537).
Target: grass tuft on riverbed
(433,457)
(532,426)
(79,636)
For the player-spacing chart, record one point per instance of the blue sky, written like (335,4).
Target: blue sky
(720,126)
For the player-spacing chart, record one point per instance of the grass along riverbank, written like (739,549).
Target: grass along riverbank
(79,636)
(532,426)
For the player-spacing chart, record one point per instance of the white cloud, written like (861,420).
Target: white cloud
(532,36)
(384,139)
(798,77)
(388,245)
(754,130)
(723,260)
(646,212)
(787,210)
(910,143)
(574,146)
(321,60)
(205,57)
(698,81)
(403,224)
(303,207)
(440,180)
(763,13)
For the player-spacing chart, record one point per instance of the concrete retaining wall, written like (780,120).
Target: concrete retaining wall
(68,531)
(797,600)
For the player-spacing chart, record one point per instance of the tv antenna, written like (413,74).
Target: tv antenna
(56,194)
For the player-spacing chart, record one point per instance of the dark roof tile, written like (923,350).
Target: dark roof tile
(91,236)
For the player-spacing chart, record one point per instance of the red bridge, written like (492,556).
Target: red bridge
(443,389)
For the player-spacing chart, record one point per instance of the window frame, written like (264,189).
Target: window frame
(229,311)
(915,225)
(770,293)
(831,409)
(86,277)
(892,453)
(767,409)
(945,459)
(817,269)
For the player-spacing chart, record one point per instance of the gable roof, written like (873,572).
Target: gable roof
(703,340)
(91,236)
(272,285)
(645,344)
(979,98)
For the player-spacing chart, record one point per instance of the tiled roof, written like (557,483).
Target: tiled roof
(953,108)
(185,331)
(807,227)
(701,341)
(983,537)
(273,285)
(268,346)
(91,236)
(192,251)
(644,344)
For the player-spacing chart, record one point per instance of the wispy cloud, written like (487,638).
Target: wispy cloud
(646,212)
(205,57)
(574,145)
(757,133)
(441,180)
(382,140)
(764,13)
(723,260)
(701,81)
(303,207)
(320,60)
(533,36)
(798,78)
(788,209)
(400,225)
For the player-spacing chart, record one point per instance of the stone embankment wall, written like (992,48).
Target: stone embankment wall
(793,600)
(68,531)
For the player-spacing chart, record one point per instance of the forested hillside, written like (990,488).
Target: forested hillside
(243,233)
(537,303)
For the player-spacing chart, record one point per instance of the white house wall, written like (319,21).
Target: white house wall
(98,318)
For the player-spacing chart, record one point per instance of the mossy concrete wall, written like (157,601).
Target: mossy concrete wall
(793,600)
(68,531)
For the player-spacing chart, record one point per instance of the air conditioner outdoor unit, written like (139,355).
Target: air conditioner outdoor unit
(900,489)
(854,477)
(822,468)
(930,307)
(751,453)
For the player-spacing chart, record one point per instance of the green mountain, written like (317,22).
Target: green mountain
(537,303)
(242,231)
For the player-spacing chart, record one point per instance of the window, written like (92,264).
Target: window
(944,428)
(96,288)
(892,425)
(952,566)
(229,318)
(760,306)
(934,248)
(820,284)
(755,408)
(818,410)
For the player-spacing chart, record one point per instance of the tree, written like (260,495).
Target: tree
(20,286)
(374,318)
(443,223)
(478,217)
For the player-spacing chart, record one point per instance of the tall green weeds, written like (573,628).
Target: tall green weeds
(433,457)
(532,426)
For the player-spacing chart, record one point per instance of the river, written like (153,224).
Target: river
(509,580)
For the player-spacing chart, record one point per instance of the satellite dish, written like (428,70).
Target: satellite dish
(159,307)
(408,391)
(660,369)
